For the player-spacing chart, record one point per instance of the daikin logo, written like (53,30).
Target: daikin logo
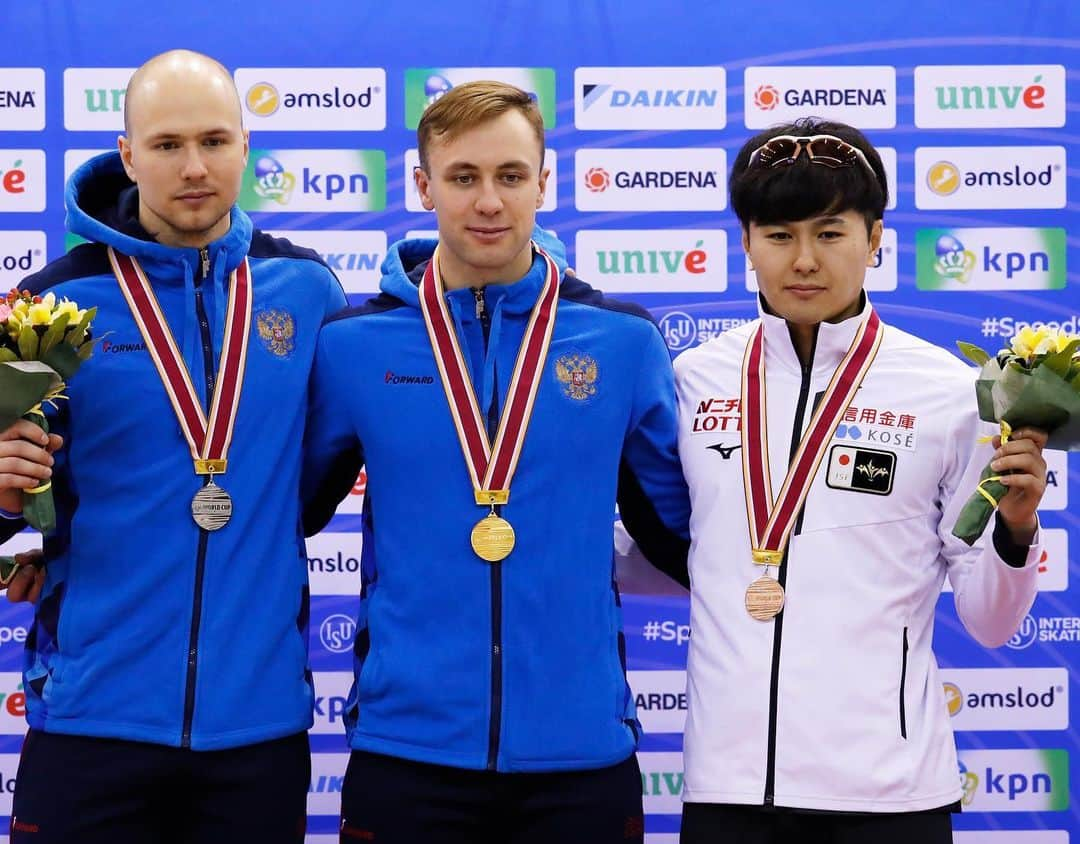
(644,97)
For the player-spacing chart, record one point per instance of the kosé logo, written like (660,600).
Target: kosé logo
(689,179)
(22,99)
(336,633)
(1007,698)
(21,253)
(990,177)
(989,96)
(341,99)
(662,261)
(862,96)
(647,97)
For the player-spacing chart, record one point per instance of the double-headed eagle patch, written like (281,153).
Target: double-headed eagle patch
(276,330)
(578,374)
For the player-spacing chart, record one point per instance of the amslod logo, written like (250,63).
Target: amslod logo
(997,258)
(21,253)
(291,98)
(1007,698)
(990,177)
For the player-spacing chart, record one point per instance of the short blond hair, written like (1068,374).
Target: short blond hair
(472,104)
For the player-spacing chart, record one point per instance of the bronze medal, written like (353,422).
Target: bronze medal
(492,538)
(764,598)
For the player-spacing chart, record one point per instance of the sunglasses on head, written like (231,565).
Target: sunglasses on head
(827,150)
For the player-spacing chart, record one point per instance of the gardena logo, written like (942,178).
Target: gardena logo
(778,94)
(22,99)
(650,179)
(990,177)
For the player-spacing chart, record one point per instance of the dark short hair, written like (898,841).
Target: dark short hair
(798,191)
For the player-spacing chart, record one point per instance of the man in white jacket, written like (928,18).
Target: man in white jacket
(828,456)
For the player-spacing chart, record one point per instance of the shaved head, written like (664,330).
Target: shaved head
(184,67)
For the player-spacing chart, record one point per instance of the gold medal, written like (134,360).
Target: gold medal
(492,538)
(764,598)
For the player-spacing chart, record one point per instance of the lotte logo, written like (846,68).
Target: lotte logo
(766,97)
(597,179)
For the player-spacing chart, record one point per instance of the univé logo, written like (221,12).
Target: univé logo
(766,97)
(597,179)
(13,180)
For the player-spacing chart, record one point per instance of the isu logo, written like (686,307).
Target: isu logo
(766,97)
(597,179)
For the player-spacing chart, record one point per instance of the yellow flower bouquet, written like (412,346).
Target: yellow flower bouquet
(1034,382)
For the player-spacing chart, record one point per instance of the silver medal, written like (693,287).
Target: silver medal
(211,507)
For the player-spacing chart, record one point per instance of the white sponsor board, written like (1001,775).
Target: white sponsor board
(22,99)
(682,179)
(334,563)
(989,96)
(326,99)
(1007,698)
(660,697)
(353,256)
(990,177)
(21,253)
(22,180)
(94,98)
(861,96)
(647,97)
(653,261)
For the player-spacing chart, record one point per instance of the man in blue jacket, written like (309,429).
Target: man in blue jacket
(501,409)
(166,677)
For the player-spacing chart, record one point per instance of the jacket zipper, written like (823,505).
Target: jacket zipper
(903,682)
(200,559)
(495,724)
(774,682)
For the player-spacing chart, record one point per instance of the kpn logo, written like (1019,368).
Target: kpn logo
(992,258)
(1014,780)
(990,177)
(330,99)
(314,180)
(425,85)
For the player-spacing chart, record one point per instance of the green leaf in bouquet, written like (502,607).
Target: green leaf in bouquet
(1046,401)
(64,359)
(23,384)
(54,334)
(973,353)
(78,334)
(7,354)
(1061,362)
(28,342)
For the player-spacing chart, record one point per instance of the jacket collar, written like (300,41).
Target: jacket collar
(831,344)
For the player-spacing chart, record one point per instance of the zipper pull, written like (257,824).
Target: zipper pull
(204,256)
(478,292)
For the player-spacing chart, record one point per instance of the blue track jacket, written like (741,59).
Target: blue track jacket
(518,665)
(150,629)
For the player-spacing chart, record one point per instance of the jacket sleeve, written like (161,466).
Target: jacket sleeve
(654,502)
(992,593)
(332,452)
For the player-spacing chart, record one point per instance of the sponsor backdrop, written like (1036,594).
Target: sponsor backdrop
(973,104)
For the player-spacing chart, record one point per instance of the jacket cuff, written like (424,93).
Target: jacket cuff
(1013,554)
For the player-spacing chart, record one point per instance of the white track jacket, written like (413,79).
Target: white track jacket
(836,704)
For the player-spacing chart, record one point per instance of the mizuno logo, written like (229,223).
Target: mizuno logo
(725,450)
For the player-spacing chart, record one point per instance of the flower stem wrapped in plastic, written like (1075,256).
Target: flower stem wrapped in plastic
(42,343)
(1035,382)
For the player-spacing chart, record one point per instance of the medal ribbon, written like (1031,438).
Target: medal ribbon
(491,467)
(770,522)
(209,444)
